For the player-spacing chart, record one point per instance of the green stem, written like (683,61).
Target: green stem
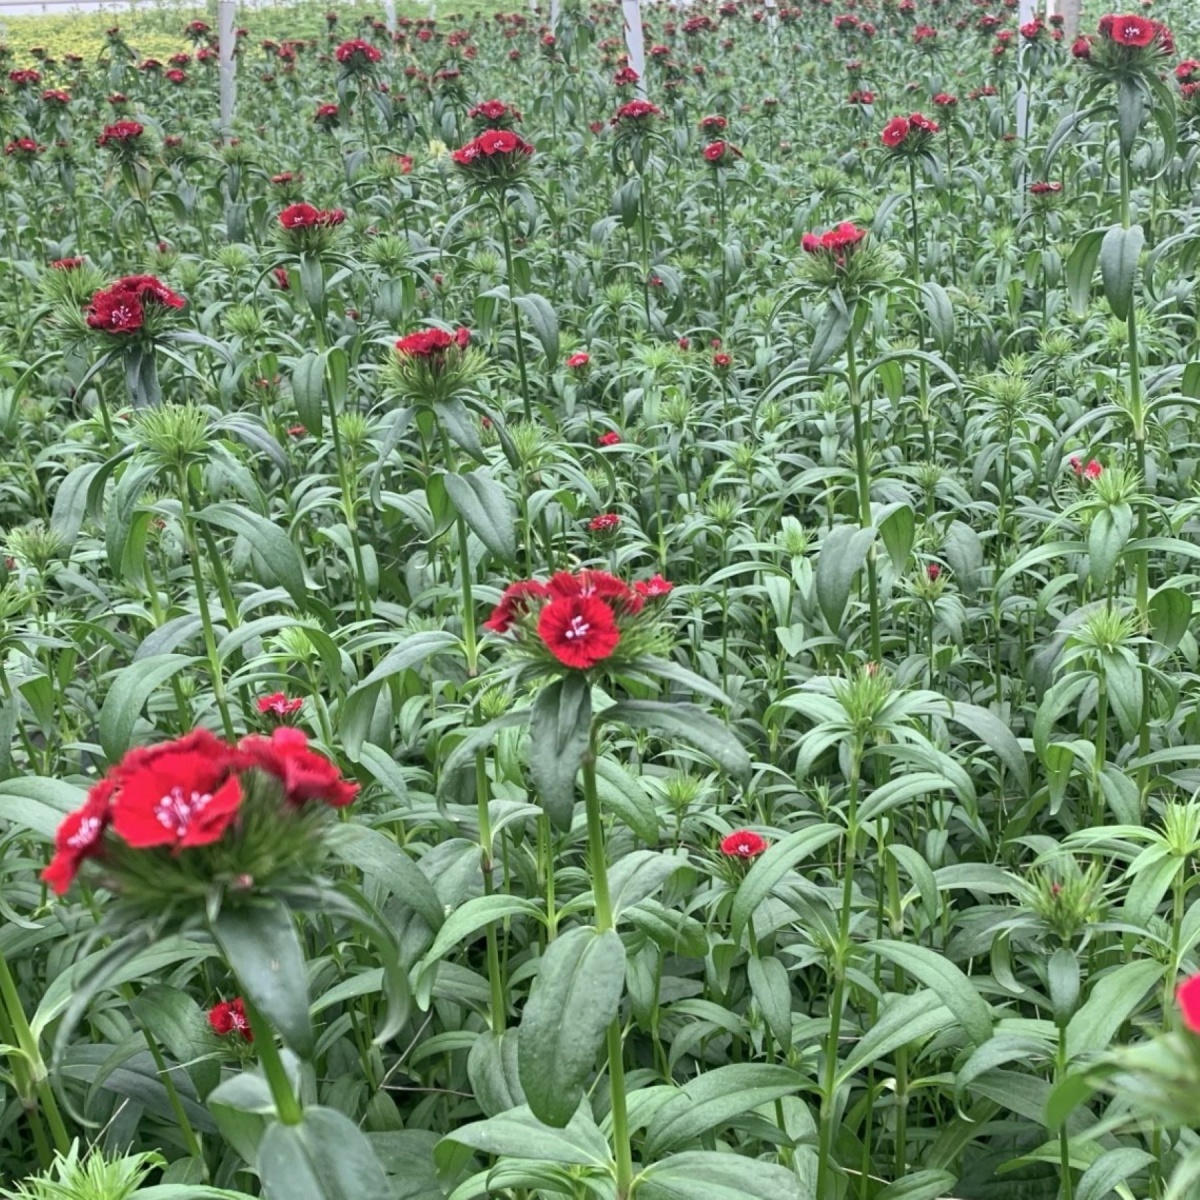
(502,217)
(864,494)
(604,922)
(495,976)
(287,1106)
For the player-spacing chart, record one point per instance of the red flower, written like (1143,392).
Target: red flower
(67,264)
(432,343)
(636,112)
(579,360)
(595,583)
(611,438)
(279,704)
(282,279)
(743,843)
(579,631)
(116,312)
(1081,47)
(306,775)
(1187,996)
(945,100)
(229,1016)
(1093,470)
(722,361)
(1045,189)
(894,132)
(356,51)
(123,133)
(604,523)
(514,602)
(933,571)
(714,123)
(78,837)
(1129,30)
(653,588)
(299,216)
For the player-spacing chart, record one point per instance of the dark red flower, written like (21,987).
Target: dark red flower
(279,704)
(229,1017)
(1129,30)
(895,132)
(743,843)
(514,602)
(604,523)
(579,630)
(120,134)
(654,588)
(579,360)
(306,775)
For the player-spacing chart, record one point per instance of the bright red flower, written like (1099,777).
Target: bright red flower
(1187,996)
(1129,30)
(933,571)
(579,630)
(1093,470)
(611,438)
(78,837)
(67,264)
(122,133)
(279,704)
(306,775)
(1081,47)
(743,843)
(895,132)
(604,523)
(579,360)
(356,51)
(229,1016)
(282,280)
(432,343)
(653,588)
(300,216)
(514,602)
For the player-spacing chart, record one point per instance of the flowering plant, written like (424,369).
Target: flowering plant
(496,159)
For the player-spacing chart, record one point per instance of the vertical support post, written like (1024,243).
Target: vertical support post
(635,41)
(554,9)
(772,15)
(389,14)
(227,44)
(1026,11)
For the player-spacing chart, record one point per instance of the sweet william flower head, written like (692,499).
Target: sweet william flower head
(908,136)
(357,57)
(496,159)
(134,307)
(494,114)
(1187,996)
(228,1019)
(743,844)
(431,365)
(721,154)
(1127,46)
(306,229)
(171,823)
(845,258)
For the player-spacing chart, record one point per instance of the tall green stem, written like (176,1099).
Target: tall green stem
(864,493)
(604,921)
(502,217)
(287,1106)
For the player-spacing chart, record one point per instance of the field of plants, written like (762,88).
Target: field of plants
(568,635)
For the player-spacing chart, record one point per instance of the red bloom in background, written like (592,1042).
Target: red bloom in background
(432,343)
(306,775)
(279,704)
(67,264)
(579,360)
(894,132)
(579,630)
(78,837)
(1081,47)
(122,133)
(299,216)
(1129,30)
(228,1017)
(1187,996)
(1093,470)
(611,438)
(282,280)
(595,583)
(604,523)
(514,602)
(743,843)
(357,51)
(653,588)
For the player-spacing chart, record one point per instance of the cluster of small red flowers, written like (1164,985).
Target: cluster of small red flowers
(279,704)
(898,130)
(743,843)
(494,111)
(306,216)
(860,97)
(27,77)
(1091,471)
(1187,70)
(579,360)
(229,1017)
(721,154)
(23,148)
(578,614)
(357,52)
(326,114)
(636,112)
(924,34)
(176,76)
(492,143)
(625,77)
(611,438)
(1045,189)
(1136,32)
(604,523)
(66,264)
(431,344)
(121,307)
(945,100)
(1032,30)
(122,133)
(56,96)
(836,242)
(714,123)
(187,793)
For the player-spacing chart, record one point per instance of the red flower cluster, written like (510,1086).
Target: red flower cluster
(229,1017)
(905,132)
(579,360)
(1187,996)
(1045,189)
(625,77)
(56,96)
(743,843)
(1091,472)
(713,124)
(493,143)
(279,704)
(326,114)
(432,343)
(122,134)
(24,78)
(837,242)
(186,793)
(67,264)
(121,307)
(611,438)
(1134,31)
(305,216)
(604,523)
(495,114)
(721,154)
(577,616)
(23,148)
(636,112)
(859,97)
(356,52)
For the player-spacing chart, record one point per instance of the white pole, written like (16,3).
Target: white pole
(389,10)
(635,40)
(554,16)
(772,8)
(227,42)
(1026,11)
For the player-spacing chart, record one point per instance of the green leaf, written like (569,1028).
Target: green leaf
(901,1021)
(269,543)
(1119,255)
(841,557)
(519,1134)
(714,1099)
(493,1072)
(38,804)
(772,992)
(127,695)
(707,1175)
(325,1157)
(920,1185)
(1170,616)
(832,330)
(262,947)
(488,512)
(1131,112)
(1081,266)
(574,999)
(1113,1000)
(380,858)
(308,390)
(470,917)
(940,314)
(771,867)
(560,726)
(543,321)
(898,530)
(1107,538)
(900,790)
(947,981)
(687,723)
(639,874)
(1112,1168)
